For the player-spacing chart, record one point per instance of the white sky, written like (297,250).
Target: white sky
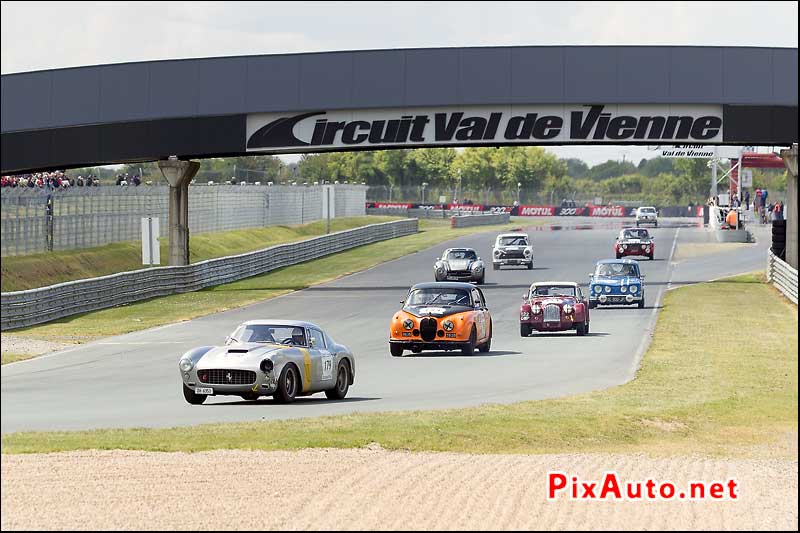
(43,35)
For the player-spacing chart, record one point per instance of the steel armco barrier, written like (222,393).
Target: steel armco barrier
(36,306)
(782,276)
(464,221)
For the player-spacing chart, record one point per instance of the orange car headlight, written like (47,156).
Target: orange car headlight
(408,323)
(447,325)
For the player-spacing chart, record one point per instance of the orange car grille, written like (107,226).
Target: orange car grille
(427,329)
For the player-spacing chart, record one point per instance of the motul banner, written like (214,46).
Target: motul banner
(536,210)
(470,207)
(606,211)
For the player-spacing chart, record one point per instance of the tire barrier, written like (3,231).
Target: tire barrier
(464,221)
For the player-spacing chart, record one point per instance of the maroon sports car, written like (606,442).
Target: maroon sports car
(554,306)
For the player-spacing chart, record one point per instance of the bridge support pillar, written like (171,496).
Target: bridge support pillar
(178,175)
(789,157)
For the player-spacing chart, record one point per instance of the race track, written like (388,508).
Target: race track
(133,381)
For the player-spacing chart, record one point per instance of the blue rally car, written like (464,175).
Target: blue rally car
(616,282)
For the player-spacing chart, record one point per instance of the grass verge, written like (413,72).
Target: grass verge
(38,270)
(11,357)
(715,381)
(169,309)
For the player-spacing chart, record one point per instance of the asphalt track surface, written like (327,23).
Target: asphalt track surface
(133,380)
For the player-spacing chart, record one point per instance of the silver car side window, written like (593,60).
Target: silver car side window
(317,339)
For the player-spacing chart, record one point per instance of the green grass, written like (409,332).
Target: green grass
(38,270)
(715,381)
(11,357)
(169,309)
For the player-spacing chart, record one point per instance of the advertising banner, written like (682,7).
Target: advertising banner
(606,211)
(536,210)
(483,125)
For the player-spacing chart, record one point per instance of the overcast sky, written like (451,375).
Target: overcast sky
(43,35)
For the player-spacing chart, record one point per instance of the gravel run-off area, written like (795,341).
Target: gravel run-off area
(371,488)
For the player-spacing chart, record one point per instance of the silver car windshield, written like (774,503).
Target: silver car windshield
(611,270)
(462,254)
(513,241)
(647,210)
(437,296)
(290,335)
(552,290)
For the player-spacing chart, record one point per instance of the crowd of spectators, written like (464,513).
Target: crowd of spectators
(123,180)
(49,180)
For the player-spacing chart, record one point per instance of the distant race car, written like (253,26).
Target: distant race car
(554,306)
(442,316)
(616,282)
(280,358)
(512,249)
(461,264)
(634,241)
(646,215)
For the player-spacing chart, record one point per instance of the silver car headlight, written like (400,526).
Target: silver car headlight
(497,253)
(623,289)
(447,325)
(477,267)
(634,289)
(408,323)
(568,309)
(527,251)
(185,365)
(607,288)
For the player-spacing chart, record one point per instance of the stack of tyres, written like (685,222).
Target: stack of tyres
(779,238)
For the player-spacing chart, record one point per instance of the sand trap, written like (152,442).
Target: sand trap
(373,489)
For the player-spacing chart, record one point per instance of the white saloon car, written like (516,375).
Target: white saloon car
(647,215)
(512,249)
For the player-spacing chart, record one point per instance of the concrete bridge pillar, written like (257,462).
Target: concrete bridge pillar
(789,157)
(178,175)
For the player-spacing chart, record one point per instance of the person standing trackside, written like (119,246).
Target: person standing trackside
(747,200)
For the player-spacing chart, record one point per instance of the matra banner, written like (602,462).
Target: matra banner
(558,124)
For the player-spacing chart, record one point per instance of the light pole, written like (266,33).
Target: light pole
(456,200)
(519,186)
(424,184)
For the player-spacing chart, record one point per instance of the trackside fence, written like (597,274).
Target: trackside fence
(36,306)
(782,276)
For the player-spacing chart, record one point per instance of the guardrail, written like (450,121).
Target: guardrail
(782,276)
(36,306)
(478,219)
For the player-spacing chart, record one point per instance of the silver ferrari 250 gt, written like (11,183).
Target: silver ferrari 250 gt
(279,358)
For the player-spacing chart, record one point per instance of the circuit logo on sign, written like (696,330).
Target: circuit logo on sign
(584,124)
